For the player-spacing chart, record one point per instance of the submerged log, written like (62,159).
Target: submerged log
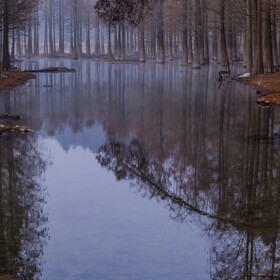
(7,116)
(52,70)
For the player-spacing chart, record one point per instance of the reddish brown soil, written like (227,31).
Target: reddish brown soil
(7,277)
(269,85)
(12,79)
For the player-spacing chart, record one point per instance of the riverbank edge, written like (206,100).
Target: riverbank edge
(267,87)
(12,79)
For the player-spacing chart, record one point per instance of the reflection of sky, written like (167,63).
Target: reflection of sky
(91,138)
(100,229)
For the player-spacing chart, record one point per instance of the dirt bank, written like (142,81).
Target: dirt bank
(12,79)
(267,86)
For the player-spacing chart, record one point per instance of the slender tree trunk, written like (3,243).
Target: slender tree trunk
(6,65)
(29,38)
(122,42)
(205,35)
(88,49)
(185,33)
(249,46)
(258,64)
(97,39)
(36,33)
(224,55)
(274,34)
(46,43)
(215,43)
(51,50)
(142,53)
(190,37)
(13,44)
(109,49)
(268,38)
(54,27)
(61,27)
(197,50)
(75,30)
(160,35)
(18,44)
(171,55)
(153,45)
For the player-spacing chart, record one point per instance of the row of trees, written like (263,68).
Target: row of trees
(197,31)
(13,17)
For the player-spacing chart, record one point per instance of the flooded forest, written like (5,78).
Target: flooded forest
(136,147)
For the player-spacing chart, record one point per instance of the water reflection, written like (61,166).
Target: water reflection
(206,153)
(23,228)
(210,153)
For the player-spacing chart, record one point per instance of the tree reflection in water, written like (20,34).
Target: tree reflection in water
(23,228)
(223,171)
(210,154)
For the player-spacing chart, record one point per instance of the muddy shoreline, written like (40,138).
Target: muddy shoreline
(11,79)
(267,87)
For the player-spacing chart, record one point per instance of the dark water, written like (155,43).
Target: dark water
(139,172)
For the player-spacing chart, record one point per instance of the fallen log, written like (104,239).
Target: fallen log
(51,70)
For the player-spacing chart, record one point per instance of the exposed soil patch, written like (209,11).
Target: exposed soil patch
(7,277)
(268,84)
(12,79)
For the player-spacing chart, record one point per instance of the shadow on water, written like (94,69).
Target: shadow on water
(23,221)
(210,153)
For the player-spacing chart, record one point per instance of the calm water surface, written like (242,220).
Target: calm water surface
(139,172)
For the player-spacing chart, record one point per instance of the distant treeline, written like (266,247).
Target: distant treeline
(196,31)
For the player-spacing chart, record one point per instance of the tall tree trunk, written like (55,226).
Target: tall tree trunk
(61,27)
(109,48)
(142,52)
(75,30)
(268,39)
(258,63)
(29,38)
(46,43)
(274,34)
(224,55)
(18,44)
(51,50)
(170,41)
(215,43)
(185,32)
(88,49)
(153,45)
(13,44)
(6,65)
(190,37)
(196,40)
(122,42)
(205,35)
(97,39)
(249,46)
(160,35)
(36,33)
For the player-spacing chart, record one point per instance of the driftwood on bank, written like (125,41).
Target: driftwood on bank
(7,128)
(52,70)
(4,128)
